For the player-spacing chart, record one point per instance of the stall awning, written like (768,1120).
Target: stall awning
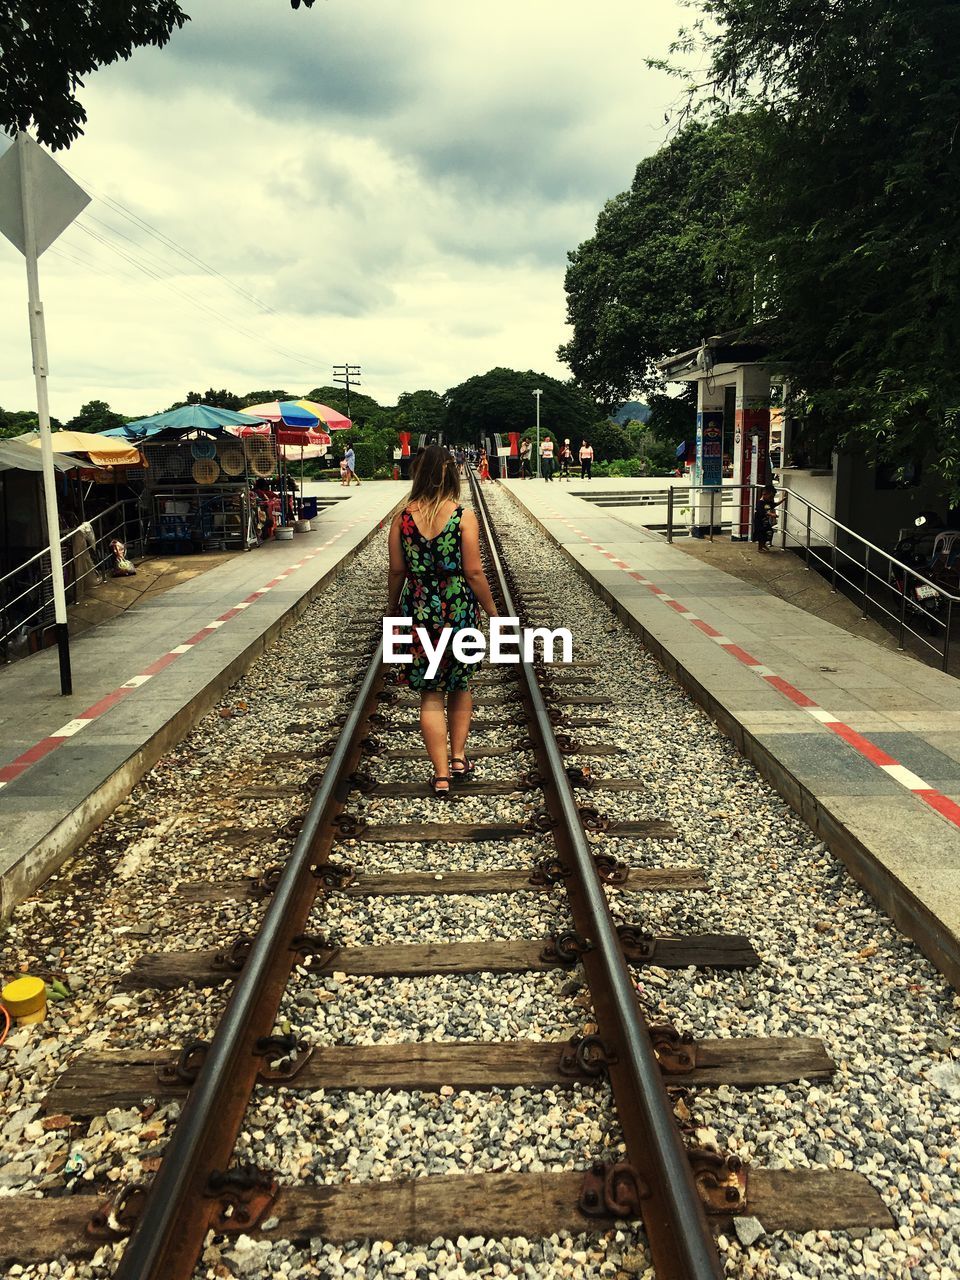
(100,450)
(18,455)
(189,417)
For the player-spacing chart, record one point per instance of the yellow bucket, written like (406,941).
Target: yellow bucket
(25,999)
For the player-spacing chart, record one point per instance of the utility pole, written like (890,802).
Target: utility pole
(538,393)
(348,375)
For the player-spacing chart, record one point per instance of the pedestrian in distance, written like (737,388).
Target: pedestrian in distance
(566,457)
(483,469)
(351,461)
(546,457)
(524,459)
(436,578)
(586,460)
(765,518)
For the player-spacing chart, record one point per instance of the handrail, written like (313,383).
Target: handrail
(906,607)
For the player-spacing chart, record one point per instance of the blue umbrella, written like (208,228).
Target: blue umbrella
(190,417)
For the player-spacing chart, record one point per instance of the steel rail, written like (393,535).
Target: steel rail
(168,1238)
(681,1241)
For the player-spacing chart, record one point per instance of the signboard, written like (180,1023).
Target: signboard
(710,447)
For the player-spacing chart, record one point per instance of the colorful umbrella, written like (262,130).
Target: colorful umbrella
(300,413)
(293,437)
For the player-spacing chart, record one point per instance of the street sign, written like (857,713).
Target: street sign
(38,201)
(56,197)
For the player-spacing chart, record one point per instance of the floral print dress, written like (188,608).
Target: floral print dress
(436,595)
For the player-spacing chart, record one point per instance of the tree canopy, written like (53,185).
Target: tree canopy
(48,46)
(502,400)
(661,269)
(849,218)
(96,415)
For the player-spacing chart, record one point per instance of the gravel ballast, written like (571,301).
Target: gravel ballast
(832,967)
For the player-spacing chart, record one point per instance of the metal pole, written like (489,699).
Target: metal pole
(537,395)
(783,523)
(809,517)
(670,513)
(903,610)
(38,344)
(946,637)
(713,494)
(866,578)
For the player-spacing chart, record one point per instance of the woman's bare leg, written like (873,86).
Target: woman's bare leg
(459,713)
(433,726)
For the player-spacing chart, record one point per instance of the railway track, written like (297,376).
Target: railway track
(654,1171)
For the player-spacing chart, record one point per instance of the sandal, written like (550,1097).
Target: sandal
(468,770)
(440,794)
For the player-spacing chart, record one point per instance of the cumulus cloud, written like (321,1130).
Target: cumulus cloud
(393,185)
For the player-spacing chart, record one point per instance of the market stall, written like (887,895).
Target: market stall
(199,491)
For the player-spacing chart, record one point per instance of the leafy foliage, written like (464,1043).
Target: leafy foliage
(502,400)
(15,422)
(96,415)
(850,218)
(48,46)
(661,269)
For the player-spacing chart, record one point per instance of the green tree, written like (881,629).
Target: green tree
(96,415)
(49,46)
(16,422)
(850,216)
(421,411)
(661,270)
(364,410)
(502,400)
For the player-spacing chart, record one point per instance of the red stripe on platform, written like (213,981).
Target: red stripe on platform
(741,655)
(870,750)
(11,771)
(946,807)
(38,751)
(705,627)
(231,613)
(676,606)
(789,691)
(104,704)
(201,635)
(161,664)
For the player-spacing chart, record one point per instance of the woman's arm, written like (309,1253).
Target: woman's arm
(398,569)
(473,565)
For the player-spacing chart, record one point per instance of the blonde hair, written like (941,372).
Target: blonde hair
(436,480)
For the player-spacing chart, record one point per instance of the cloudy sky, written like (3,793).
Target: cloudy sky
(396,185)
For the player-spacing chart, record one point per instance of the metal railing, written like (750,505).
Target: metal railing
(897,594)
(26,592)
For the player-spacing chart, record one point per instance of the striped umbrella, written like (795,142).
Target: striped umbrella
(300,414)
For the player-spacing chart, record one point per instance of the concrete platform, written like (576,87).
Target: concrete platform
(863,741)
(142,679)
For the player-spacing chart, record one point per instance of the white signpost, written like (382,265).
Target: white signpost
(38,201)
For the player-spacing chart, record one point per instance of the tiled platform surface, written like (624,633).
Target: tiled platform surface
(141,680)
(863,741)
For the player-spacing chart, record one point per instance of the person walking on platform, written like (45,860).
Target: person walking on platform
(524,459)
(586,460)
(546,457)
(436,578)
(566,457)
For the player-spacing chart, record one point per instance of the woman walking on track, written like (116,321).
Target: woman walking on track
(484,469)
(437,579)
